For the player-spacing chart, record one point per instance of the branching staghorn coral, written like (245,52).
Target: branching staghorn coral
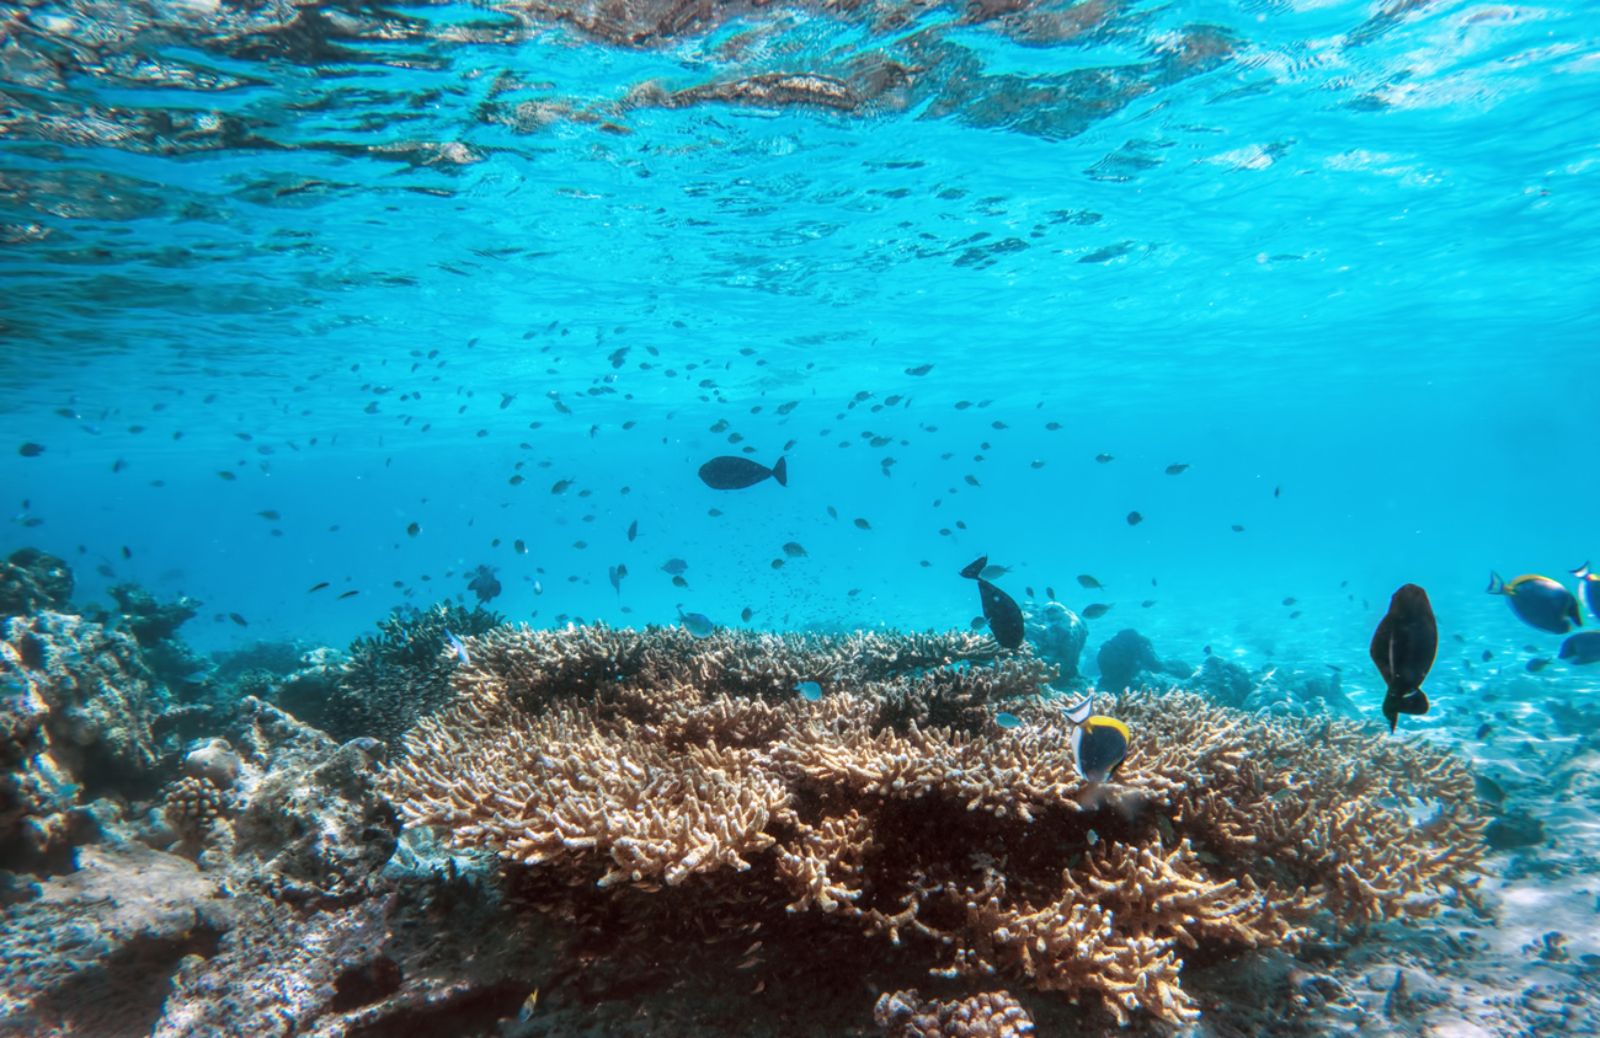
(686,780)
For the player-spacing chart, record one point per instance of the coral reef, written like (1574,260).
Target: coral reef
(665,782)
(904,1014)
(31,580)
(80,716)
(389,679)
(1057,635)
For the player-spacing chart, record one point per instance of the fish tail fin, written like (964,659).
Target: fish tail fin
(1396,703)
(780,472)
(972,569)
(1582,572)
(1496,585)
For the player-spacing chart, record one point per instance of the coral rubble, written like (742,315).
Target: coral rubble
(685,780)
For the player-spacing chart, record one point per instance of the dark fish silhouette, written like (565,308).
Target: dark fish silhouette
(349,594)
(633,529)
(483,584)
(731,472)
(1403,648)
(999,608)
(615,574)
(317,586)
(30,450)
(1134,518)
(1177,469)
(1582,649)
(1095,611)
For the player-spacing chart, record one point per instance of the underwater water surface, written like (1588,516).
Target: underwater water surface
(1248,312)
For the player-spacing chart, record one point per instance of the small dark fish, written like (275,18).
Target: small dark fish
(269,513)
(127,552)
(777,563)
(1487,655)
(1086,581)
(615,575)
(226,475)
(1134,518)
(1289,601)
(349,594)
(1539,602)
(833,513)
(1403,648)
(794,550)
(30,450)
(731,472)
(919,370)
(862,524)
(1147,603)
(1103,458)
(484,584)
(697,624)
(1581,649)
(1237,528)
(413,529)
(241,621)
(118,465)
(633,529)
(1277,491)
(746,613)
(1050,593)
(560,486)
(317,587)
(678,581)
(1095,611)
(1177,469)
(1537,664)
(519,546)
(674,567)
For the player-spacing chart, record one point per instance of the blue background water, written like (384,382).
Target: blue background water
(1357,257)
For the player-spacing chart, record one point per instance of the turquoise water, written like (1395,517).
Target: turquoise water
(1339,258)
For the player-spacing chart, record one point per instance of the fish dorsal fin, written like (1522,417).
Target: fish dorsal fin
(972,569)
(1080,712)
(1582,572)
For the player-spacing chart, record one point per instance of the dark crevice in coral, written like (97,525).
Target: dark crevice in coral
(467,1015)
(135,980)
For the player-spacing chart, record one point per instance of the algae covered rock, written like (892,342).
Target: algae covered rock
(1058,636)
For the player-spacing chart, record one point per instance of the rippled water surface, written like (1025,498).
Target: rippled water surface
(416,263)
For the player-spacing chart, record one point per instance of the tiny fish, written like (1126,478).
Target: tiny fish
(241,621)
(1103,458)
(1095,611)
(349,594)
(746,613)
(1134,518)
(794,550)
(30,450)
(615,575)
(458,648)
(674,567)
(1289,601)
(633,529)
(560,486)
(919,370)
(269,513)
(1237,528)
(1050,593)
(1537,664)
(413,529)
(777,563)
(226,475)
(1087,581)
(809,690)
(678,581)
(862,524)
(316,587)
(1177,469)
(1007,720)
(1147,603)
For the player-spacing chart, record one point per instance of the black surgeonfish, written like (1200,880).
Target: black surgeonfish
(1539,602)
(999,608)
(1403,647)
(730,472)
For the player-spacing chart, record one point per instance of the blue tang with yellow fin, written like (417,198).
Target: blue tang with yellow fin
(1539,602)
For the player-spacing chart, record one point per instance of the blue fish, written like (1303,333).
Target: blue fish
(1005,720)
(697,624)
(809,690)
(1539,602)
(1589,582)
(458,648)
